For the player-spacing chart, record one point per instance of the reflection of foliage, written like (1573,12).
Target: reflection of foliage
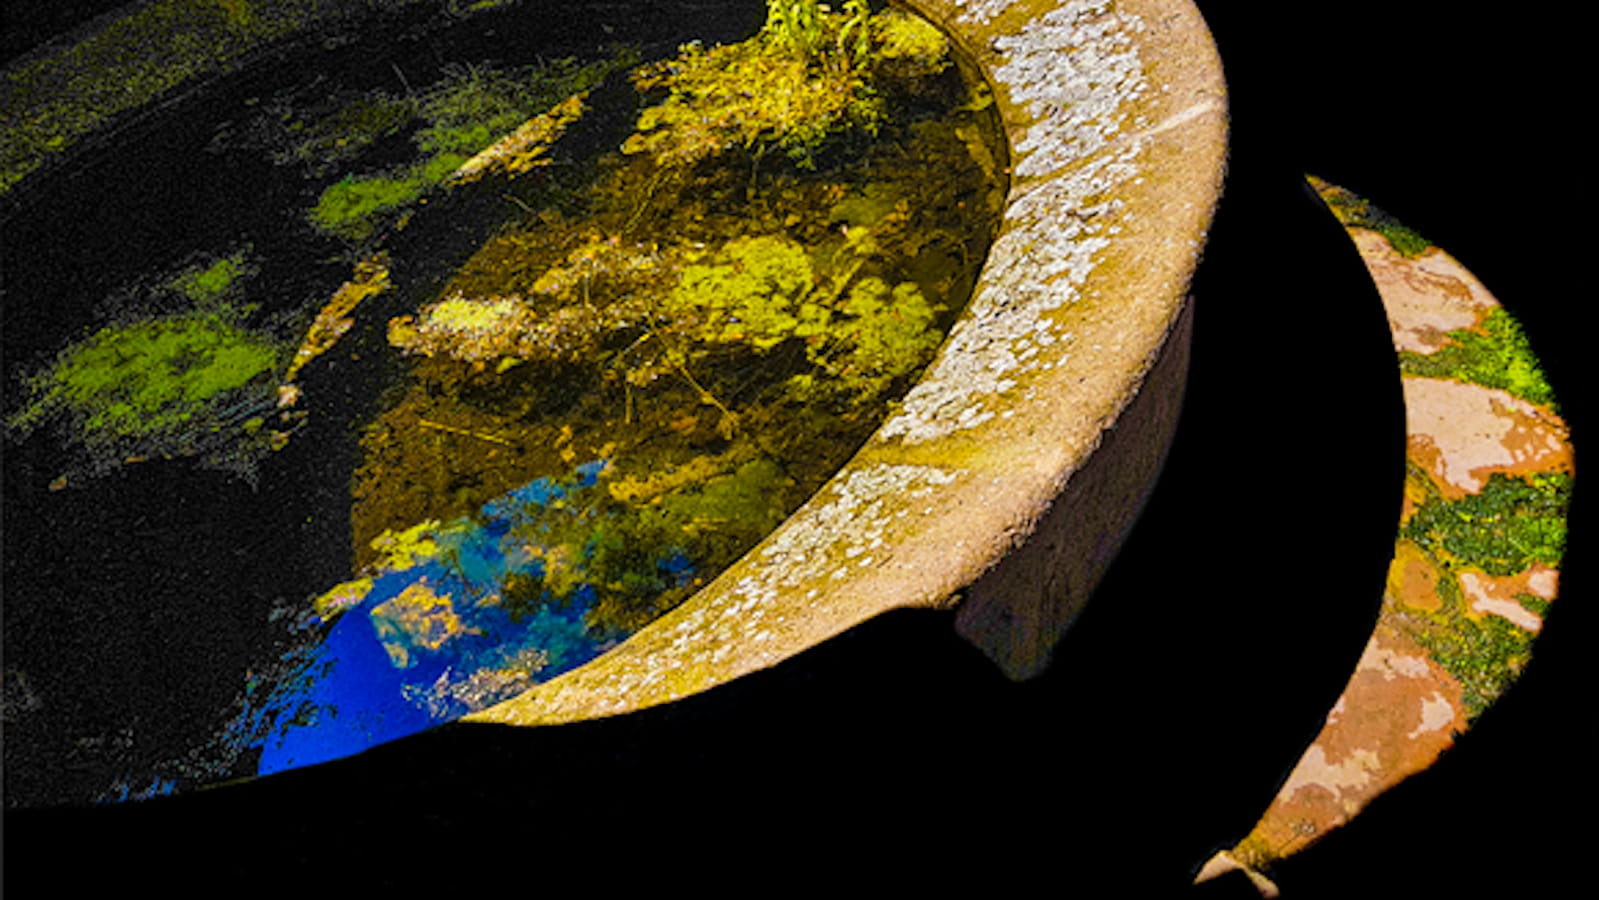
(1506,527)
(605,324)
(417,618)
(634,557)
(1494,354)
(759,94)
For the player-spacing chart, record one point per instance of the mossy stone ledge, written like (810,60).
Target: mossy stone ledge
(1007,478)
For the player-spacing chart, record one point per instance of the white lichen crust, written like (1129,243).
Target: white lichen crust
(1115,121)
(1076,72)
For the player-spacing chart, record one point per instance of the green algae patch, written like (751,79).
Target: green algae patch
(1510,526)
(169,386)
(1356,212)
(469,109)
(718,317)
(207,284)
(1494,354)
(56,97)
(1506,527)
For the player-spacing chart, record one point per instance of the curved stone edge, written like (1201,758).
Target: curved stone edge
(1116,119)
(1405,704)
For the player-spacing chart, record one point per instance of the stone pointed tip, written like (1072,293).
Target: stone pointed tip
(1224,862)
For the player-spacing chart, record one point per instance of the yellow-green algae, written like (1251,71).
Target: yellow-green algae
(1511,525)
(207,284)
(1514,522)
(465,113)
(151,385)
(65,91)
(722,322)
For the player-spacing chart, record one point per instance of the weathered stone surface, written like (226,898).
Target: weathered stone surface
(1116,120)
(1465,592)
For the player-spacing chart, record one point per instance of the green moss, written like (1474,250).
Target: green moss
(1512,524)
(354,207)
(52,99)
(1485,654)
(1496,355)
(206,285)
(1509,525)
(1355,211)
(148,387)
(466,113)
(1533,603)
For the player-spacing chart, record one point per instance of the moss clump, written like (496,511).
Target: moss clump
(1506,527)
(470,109)
(1482,651)
(352,208)
(1494,354)
(1356,212)
(161,387)
(206,285)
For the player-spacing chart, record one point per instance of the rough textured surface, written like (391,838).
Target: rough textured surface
(1116,120)
(1474,567)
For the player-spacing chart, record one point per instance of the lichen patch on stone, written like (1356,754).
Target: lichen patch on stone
(1075,69)
(1462,433)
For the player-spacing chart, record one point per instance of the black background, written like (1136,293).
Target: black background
(896,755)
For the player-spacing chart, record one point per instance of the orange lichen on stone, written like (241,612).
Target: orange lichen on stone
(1398,713)
(371,278)
(1413,579)
(1462,433)
(1426,297)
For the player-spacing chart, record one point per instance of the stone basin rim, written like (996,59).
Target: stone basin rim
(1013,469)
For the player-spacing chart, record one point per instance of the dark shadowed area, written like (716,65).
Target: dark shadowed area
(1182,696)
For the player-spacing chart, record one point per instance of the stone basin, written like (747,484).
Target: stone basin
(1006,481)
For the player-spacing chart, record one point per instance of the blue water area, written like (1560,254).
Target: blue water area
(431,642)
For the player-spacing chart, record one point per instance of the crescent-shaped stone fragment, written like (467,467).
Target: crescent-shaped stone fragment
(1476,563)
